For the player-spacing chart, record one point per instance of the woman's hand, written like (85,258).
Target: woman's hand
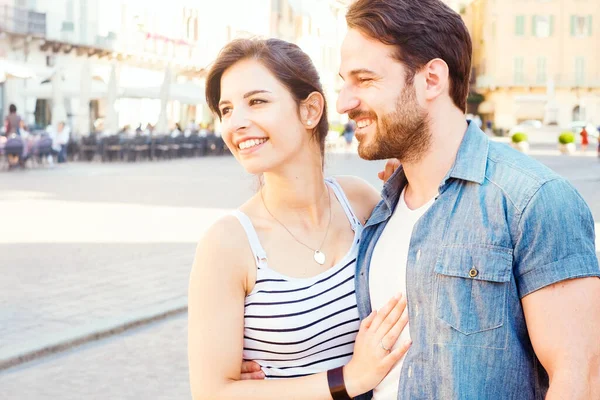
(372,359)
(390,167)
(251,371)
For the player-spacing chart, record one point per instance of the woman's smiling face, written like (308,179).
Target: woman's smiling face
(260,118)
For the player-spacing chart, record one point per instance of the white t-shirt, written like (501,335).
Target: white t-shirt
(387,277)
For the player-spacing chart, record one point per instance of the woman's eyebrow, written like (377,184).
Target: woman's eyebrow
(250,93)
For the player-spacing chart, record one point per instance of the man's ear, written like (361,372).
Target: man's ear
(437,78)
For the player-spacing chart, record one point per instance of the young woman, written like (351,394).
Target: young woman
(274,282)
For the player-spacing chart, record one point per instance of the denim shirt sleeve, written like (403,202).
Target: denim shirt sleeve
(555,239)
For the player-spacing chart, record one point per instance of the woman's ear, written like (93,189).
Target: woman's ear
(311,110)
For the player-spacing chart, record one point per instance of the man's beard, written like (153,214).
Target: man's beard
(403,134)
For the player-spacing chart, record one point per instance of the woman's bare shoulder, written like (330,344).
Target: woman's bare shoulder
(224,242)
(362,195)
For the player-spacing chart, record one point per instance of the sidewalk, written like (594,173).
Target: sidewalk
(90,280)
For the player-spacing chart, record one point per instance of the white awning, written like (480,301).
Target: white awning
(186,93)
(141,92)
(71,89)
(22,70)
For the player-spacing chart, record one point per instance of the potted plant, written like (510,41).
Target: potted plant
(566,143)
(519,142)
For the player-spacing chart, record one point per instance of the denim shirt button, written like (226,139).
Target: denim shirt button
(473,272)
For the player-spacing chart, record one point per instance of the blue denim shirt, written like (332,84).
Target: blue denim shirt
(502,227)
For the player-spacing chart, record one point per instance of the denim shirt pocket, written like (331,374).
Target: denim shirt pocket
(473,281)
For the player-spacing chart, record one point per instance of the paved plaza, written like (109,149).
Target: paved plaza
(88,248)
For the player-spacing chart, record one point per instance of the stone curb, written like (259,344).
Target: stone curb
(21,354)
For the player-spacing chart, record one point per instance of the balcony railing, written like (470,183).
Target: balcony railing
(22,21)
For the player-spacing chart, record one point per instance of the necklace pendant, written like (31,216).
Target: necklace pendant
(319,257)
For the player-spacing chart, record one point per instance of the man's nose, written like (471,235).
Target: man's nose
(346,101)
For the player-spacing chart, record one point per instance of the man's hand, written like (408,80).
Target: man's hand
(251,370)
(390,167)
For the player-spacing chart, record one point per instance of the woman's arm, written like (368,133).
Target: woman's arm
(218,285)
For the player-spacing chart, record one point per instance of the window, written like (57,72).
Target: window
(520,25)
(581,25)
(192,27)
(542,25)
(541,70)
(579,71)
(519,78)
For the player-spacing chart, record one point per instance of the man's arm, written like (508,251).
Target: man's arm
(563,321)
(557,275)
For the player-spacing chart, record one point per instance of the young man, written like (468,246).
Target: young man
(494,251)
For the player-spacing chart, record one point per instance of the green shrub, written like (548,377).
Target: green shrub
(566,138)
(336,126)
(519,137)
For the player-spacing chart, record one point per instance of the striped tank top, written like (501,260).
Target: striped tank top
(295,327)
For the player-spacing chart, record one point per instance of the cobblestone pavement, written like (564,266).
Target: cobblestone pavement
(148,363)
(91,244)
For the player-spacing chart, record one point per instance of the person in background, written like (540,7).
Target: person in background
(27,143)
(488,128)
(149,131)
(176,131)
(584,139)
(349,133)
(60,139)
(190,129)
(12,121)
(599,142)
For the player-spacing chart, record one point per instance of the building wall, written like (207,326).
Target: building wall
(532,53)
(183,33)
(318,27)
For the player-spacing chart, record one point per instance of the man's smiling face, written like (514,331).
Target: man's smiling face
(379,95)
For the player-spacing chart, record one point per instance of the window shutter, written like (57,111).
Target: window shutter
(520,25)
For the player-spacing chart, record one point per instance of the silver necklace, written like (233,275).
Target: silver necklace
(318,255)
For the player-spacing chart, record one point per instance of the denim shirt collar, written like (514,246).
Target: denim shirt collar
(471,159)
(469,165)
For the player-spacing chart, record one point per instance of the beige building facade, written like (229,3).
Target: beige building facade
(536,59)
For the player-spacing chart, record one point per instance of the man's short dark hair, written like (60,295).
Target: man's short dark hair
(421,30)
